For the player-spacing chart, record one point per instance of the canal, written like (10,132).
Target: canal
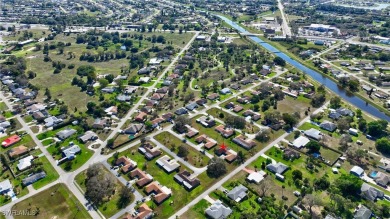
(355,100)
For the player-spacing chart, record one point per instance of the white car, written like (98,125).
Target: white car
(296,193)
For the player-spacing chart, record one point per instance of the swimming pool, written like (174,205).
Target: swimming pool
(373,174)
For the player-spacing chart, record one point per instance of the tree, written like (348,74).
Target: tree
(182,151)
(383,145)
(216,167)
(311,201)
(125,197)
(343,124)
(103,82)
(263,135)
(180,123)
(318,99)
(279,61)
(99,184)
(321,183)
(290,119)
(297,174)
(335,102)
(264,186)
(313,146)
(377,128)
(348,184)
(240,157)
(237,122)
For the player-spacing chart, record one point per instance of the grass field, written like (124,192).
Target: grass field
(55,202)
(59,83)
(197,211)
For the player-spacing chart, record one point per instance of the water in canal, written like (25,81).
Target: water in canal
(356,101)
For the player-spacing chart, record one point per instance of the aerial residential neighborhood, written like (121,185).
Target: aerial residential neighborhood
(195,109)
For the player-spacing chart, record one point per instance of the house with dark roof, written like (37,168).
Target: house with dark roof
(33,178)
(134,129)
(100,123)
(181,111)
(192,106)
(184,178)
(207,122)
(328,126)
(334,115)
(149,151)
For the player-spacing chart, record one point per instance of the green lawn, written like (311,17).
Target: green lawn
(55,202)
(194,157)
(197,211)
(46,142)
(51,173)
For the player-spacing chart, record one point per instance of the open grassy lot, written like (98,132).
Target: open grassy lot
(109,208)
(197,211)
(61,82)
(55,202)
(194,157)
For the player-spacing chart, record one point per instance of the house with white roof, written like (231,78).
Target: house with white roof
(25,163)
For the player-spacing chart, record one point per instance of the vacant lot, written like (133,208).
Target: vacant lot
(55,202)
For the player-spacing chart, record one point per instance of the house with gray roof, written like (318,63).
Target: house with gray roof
(277,167)
(218,211)
(328,126)
(363,213)
(66,133)
(33,178)
(238,193)
(313,133)
(370,193)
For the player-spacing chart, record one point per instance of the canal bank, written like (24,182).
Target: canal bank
(356,100)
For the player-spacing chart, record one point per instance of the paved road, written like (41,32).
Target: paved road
(238,169)
(150,89)
(285,27)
